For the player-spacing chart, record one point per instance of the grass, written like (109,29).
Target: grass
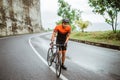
(107,37)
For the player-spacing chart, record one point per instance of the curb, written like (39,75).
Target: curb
(97,44)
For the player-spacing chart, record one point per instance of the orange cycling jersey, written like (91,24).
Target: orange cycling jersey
(62,33)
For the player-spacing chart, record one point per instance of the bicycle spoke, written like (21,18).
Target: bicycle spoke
(49,56)
(58,66)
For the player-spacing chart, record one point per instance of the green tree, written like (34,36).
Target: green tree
(111,8)
(65,11)
(82,24)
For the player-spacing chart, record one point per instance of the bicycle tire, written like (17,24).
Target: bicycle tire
(58,65)
(49,56)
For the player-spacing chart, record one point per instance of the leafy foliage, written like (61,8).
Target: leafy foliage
(111,8)
(82,24)
(65,11)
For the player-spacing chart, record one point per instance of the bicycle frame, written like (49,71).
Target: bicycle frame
(57,57)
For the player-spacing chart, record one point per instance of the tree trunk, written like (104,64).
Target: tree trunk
(82,30)
(116,21)
(113,25)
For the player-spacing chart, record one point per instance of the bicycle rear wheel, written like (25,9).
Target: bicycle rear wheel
(49,56)
(58,65)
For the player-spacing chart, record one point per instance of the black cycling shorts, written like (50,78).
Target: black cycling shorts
(62,47)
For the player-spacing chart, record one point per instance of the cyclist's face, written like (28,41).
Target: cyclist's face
(65,24)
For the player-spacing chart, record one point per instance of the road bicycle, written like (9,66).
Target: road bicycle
(54,55)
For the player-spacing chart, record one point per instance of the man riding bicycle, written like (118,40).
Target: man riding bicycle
(63,33)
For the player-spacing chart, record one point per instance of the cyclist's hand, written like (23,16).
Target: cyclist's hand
(51,43)
(65,44)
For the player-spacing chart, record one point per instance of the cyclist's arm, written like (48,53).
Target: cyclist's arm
(68,36)
(53,36)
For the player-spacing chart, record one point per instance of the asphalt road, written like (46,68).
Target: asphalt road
(24,58)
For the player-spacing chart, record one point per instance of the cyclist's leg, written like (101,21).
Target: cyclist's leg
(64,48)
(60,51)
(64,56)
(60,48)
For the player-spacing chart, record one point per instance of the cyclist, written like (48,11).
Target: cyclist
(63,33)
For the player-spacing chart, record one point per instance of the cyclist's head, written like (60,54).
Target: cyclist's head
(66,21)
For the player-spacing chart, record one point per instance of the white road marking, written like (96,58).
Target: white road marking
(61,76)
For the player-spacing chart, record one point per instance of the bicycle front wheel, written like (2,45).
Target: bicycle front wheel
(49,56)
(58,65)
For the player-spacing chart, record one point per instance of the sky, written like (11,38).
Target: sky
(49,10)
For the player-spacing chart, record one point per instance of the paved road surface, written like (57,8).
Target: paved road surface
(19,60)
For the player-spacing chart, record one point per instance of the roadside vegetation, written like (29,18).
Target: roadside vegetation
(107,37)
(108,9)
